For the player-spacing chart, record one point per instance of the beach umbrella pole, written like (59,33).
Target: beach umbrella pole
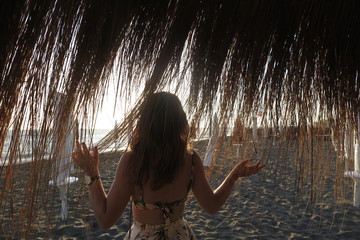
(62,161)
(355,175)
(115,144)
(254,129)
(266,129)
(209,155)
(64,205)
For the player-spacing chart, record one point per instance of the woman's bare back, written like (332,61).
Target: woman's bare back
(175,191)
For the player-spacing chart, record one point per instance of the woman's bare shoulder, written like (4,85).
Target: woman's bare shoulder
(128,154)
(125,160)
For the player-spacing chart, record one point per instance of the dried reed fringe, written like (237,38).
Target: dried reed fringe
(294,60)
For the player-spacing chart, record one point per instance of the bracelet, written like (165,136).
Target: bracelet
(90,179)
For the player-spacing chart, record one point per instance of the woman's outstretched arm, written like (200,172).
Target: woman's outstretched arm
(107,207)
(209,200)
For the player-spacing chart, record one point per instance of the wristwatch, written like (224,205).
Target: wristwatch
(90,179)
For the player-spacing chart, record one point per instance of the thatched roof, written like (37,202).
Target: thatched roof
(295,51)
(296,59)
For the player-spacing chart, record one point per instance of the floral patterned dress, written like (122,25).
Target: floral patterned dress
(179,230)
(176,230)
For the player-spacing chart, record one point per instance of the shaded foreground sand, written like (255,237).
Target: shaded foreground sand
(265,206)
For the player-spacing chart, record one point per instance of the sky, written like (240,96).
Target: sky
(113,109)
(107,117)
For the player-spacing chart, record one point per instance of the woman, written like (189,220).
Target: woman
(157,174)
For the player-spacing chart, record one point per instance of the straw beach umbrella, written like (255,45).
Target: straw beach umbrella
(299,59)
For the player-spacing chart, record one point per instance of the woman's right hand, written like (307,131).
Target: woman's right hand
(85,160)
(243,169)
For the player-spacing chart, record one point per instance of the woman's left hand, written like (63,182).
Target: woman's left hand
(243,169)
(89,162)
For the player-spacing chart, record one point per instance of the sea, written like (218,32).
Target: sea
(90,137)
(24,154)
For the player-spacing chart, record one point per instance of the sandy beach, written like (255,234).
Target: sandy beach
(265,206)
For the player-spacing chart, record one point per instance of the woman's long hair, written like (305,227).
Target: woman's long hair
(160,140)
